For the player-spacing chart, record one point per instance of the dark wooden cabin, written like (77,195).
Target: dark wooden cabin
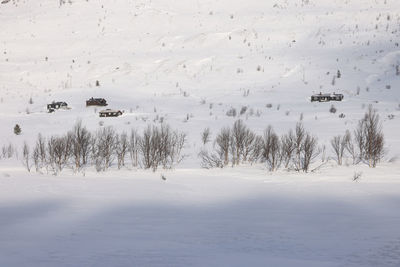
(110,113)
(96,102)
(56,105)
(327,97)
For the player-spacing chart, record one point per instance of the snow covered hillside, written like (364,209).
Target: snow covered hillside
(196,64)
(198,59)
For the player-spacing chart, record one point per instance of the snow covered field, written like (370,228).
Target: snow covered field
(233,217)
(187,63)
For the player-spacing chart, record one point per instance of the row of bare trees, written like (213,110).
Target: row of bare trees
(157,146)
(295,150)
(366,144)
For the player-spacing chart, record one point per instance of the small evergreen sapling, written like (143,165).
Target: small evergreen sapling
(17,129)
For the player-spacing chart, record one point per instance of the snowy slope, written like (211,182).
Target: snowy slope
(171,57)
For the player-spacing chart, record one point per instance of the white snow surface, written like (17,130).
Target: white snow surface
(197,59)
(230,217)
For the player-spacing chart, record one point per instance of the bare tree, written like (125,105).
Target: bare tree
(40,152)
(257,149)
(59,151)
(147,148)
(165,145)
(309,151)
(271,149)
(26,157)
(134,147)
(359,138)
(122,146)
(105,148)
(338,144)
(299,137)
(239,133)
(350,146)
(161,146)
(81,139)
(248,145)
(35,158)
(206,136)
(223,142)
(374,139)
(178,143)
(287,148)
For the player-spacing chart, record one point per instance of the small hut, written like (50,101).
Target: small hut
(56,105)
(110,113)
(327,97)
(96,102)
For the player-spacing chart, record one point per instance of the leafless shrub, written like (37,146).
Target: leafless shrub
(359,139)
(351,146)
(287,148)
(223,143)
(323,152)
(256,149)
(81,139)
(26,157)
(356,176)
(205,136)
(309,152)
(40,153)
(338,144)
(305,148)
(8,151)
(104,147)
(332,109)
(298,140)
(373,137)
(58,152)
(122,146)
(134,147)
(35,158)
(231,112)
(249,146)
(209,161)
(271,149)
(238,135)
(161,146)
